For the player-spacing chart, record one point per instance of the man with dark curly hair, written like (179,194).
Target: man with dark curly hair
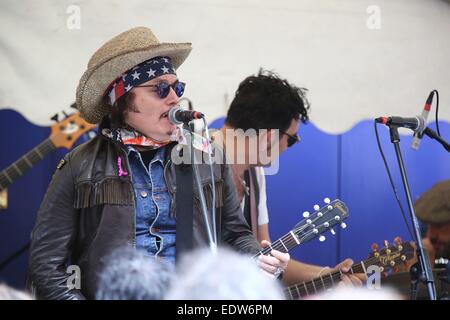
(266,112)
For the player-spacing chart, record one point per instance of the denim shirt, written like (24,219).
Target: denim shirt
(155,228)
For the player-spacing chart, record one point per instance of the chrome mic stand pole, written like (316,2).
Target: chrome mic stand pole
(426,274)
(198,183)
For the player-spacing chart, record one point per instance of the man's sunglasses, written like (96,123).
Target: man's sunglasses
(163,88)
(292,139)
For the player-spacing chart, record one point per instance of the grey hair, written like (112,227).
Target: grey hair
(225,275)
(131,275)
(8,293)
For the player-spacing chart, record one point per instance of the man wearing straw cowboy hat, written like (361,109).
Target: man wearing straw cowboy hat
(121,187)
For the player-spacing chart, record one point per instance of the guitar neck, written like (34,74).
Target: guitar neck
(319,284)
(284,244)
(26,162)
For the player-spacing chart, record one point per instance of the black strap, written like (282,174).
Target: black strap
(255,186)
(246,209)
(184,208)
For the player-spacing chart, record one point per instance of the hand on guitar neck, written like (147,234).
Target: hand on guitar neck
(275,263)
(349,279)
(312,227)
(388,258)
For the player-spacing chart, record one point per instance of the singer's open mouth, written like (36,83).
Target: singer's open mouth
(165,114)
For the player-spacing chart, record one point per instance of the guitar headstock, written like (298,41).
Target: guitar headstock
(67,131)
(391,256)
(321,220)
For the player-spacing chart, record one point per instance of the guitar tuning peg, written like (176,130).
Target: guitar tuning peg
(343,225)
(305,214)
(332,231)
(322,238)
(316,207)
(326,200)
(374,247)
(55,117)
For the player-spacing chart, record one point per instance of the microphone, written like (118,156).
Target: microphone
(426,110)
(179,116)
(416,124)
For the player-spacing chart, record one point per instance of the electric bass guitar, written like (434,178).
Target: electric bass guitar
(63,135)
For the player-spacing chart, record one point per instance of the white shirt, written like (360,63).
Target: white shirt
(263,214)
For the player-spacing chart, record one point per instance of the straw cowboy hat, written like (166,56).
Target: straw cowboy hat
(115,57)
(434,205)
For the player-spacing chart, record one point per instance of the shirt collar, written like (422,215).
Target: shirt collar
(159,156)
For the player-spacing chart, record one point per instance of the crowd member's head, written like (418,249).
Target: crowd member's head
(433,208)
(359,293)
(225,275)
(8,293)
(267,102)
(130,275)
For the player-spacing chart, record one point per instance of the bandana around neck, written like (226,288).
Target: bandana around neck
(129,136)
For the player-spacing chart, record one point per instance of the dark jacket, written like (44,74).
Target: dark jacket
(89,210)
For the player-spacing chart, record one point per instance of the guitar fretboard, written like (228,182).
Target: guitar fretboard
(320,284)
(310,228)
(26,162)
(284,244)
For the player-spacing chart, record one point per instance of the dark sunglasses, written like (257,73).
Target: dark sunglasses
(163,88)
(292,139)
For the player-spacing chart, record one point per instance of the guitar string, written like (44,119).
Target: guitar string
(328,280)
(12,172)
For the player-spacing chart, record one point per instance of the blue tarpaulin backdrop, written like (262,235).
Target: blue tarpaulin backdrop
(346,166)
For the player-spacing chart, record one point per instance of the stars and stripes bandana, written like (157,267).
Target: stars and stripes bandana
(141,73)
(129,136)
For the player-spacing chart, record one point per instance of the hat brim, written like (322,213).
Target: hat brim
(95,81)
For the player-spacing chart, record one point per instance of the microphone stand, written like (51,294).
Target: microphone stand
(197,179)
(425,272)
(433,135)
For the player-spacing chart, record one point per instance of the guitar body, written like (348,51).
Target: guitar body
(24,196)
